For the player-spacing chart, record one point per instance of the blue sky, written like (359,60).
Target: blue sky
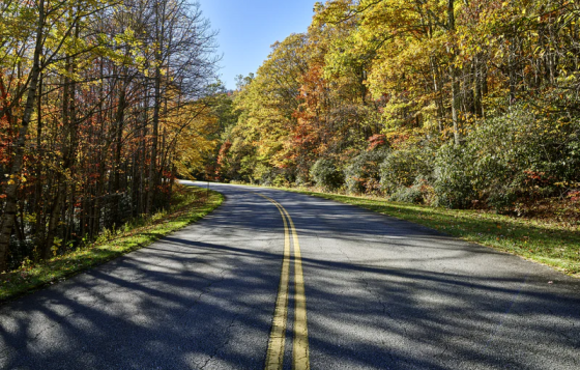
(249,27)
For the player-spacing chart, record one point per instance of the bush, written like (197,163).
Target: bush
(411,194)
(281,181)
(453,179)
(263,174)
(401,168)
(326,174)
(363,173)
(518,156)
(302,179)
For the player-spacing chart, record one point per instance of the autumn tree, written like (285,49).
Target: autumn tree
(96,97)
(451,103)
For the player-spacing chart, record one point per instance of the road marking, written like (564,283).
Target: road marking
(275,354)
(300,347)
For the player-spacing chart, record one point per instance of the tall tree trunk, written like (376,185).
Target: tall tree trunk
(478,88)
(455,104)
(436,88)
(160,29)
(39,227)
(453,75)
(120,120)
(70,123)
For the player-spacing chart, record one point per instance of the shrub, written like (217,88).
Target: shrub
(363,173)
(453,178)
(326,174)
(401,168)
(516,156)
(411,194)
(263,174)
(281,181)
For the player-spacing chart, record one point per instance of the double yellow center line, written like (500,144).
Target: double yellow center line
(300,351)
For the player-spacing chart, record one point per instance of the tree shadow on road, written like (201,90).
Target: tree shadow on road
(405,298)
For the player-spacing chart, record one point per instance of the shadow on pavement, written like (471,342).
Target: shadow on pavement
(381,294)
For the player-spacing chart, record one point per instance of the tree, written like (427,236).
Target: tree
(95,98)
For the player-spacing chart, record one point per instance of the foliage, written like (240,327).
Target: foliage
(411,195)
(100,105)
(452,181)
(326,174)
(401,168)
(476,101)
(362,174)
(220,120)
(517,157)
(194,133)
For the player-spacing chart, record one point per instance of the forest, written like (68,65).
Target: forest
(458,104)
(101,105)
(469,104)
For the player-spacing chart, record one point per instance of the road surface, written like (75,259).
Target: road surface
(278,280)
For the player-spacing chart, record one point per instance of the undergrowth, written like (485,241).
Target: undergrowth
(190,205)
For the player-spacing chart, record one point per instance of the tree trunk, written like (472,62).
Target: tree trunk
(53,222)
(70,123)
(453,75)
(478,88)
(120,120)
(160,29)
(455,104)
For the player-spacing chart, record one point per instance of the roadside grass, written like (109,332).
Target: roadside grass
(191,204)
(555,244)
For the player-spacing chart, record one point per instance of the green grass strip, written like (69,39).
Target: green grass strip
(550,243)
(190,206)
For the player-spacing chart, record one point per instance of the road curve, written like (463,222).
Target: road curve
(379,294)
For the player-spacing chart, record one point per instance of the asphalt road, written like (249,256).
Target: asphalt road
(380,294)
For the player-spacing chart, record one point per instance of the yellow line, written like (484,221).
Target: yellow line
(275,354)
(300,348)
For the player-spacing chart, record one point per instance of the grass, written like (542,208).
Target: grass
(191,204)
(555,244)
